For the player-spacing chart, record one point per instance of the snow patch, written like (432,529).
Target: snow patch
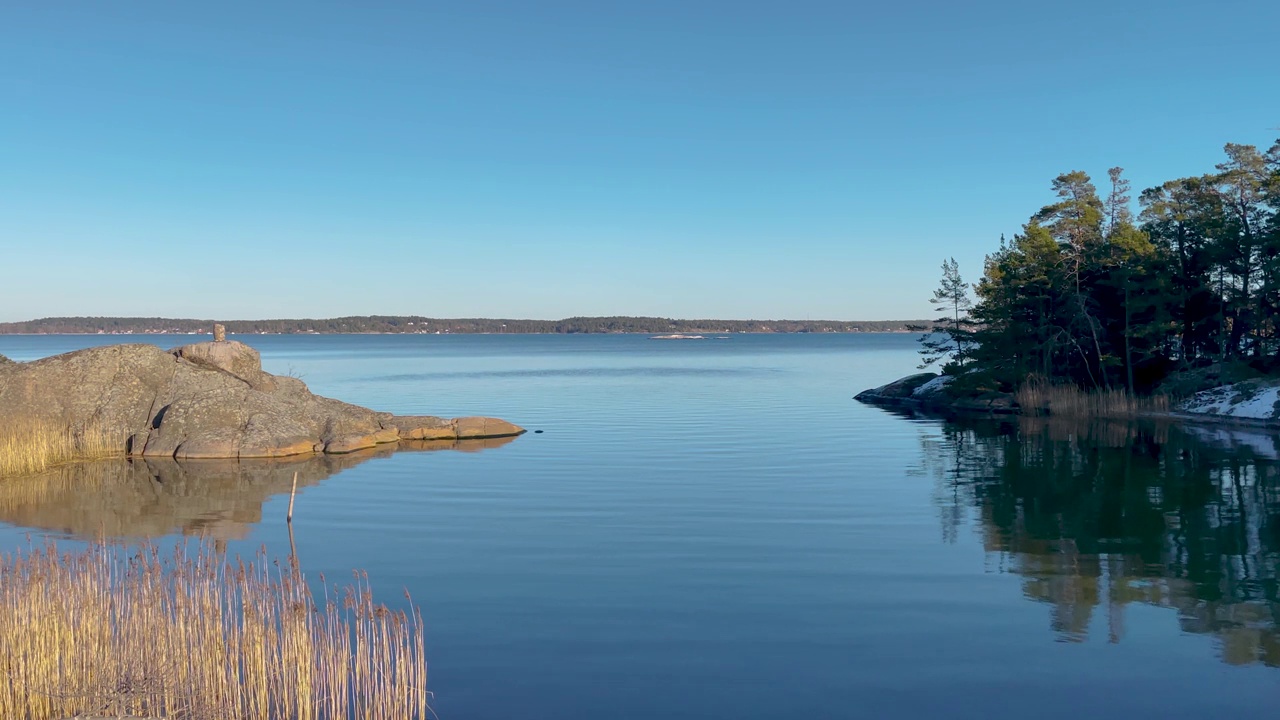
(1239,401)
(933,386)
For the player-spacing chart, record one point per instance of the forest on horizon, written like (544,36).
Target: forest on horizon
(424,325)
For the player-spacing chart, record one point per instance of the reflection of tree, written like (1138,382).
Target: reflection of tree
(1097,516)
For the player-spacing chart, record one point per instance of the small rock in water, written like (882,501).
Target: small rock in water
(537,432)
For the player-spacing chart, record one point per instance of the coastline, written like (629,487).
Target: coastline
(456,332)
(905,393)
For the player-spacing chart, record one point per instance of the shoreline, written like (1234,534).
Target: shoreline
(458,332)
(901,394)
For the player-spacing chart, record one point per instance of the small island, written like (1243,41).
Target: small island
(205,400)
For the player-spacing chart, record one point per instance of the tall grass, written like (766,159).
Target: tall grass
(109,631)
(27,448)
(1037,397)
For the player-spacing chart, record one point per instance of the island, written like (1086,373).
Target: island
(204,400)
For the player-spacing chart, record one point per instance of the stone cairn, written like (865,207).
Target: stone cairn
(219,332)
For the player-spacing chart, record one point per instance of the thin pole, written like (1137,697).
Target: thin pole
(293,553)
(289,518)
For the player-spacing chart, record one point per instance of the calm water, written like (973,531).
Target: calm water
(715,529)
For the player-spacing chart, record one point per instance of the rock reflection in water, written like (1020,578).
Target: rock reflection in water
(1098,516)
(151,497)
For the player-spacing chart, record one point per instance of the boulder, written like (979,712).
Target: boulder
(928,391)
(235,358)
(898,389)
(207,400)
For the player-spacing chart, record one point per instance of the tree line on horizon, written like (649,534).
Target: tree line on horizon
(1091,294)
(424,325)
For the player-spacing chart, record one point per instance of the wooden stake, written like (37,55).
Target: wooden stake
(293,553)
(289,518)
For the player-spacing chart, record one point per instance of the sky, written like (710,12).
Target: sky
(737,160)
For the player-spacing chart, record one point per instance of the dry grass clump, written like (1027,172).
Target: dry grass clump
(1042,398)
(32,447)
(113,632)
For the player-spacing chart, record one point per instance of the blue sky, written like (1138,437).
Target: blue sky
(546,159)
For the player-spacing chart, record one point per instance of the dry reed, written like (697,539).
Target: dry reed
(113,632)
(32,447)
(1036,397)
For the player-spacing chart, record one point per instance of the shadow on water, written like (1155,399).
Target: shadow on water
(151,497)
(1096,517)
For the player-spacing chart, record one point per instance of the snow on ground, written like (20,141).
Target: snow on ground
(1240,401)
(933,386)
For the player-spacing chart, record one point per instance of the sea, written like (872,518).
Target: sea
(714,528)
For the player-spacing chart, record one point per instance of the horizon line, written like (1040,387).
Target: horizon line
(447,319)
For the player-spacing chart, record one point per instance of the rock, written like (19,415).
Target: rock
(232,357)
(935,386)
(474,428)
(351,443)
(928,391)
(898,389)
(424,427)
(207,400)
(991,402)
(6,361)
(1250,401)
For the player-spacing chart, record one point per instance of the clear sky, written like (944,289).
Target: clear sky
(546,159)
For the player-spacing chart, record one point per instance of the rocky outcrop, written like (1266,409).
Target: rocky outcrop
(930,391)
(1253,402)
(208,400)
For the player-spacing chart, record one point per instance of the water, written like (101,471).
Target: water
(714,528)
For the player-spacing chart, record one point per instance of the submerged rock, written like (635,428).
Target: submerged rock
(207,400)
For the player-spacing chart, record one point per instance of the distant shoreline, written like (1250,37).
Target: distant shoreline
(416,325)
(645,334)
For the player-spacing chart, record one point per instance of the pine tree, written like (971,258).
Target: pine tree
(951,334)
(1075,221)
(1117,205)
(1086,295)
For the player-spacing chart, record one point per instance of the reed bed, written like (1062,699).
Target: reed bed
(116,632)
(1041,398)
(33,447)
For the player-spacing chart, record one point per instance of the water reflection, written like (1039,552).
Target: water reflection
(150,497)
(1098,516)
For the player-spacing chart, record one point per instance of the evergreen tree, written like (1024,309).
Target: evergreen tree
(1075,221)
(951,333)
(1117,206)
(1182,217)
(1084,294)
(1242,182)
(1018,319)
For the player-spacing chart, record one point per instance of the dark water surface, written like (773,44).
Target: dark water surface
(715,529)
